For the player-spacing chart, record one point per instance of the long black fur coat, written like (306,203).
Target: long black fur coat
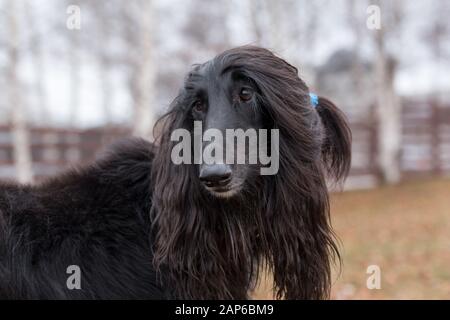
(96,218)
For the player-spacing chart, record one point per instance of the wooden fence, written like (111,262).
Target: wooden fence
(425,149)
(425,146)
(54,150)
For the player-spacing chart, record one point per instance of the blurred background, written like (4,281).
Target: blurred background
(75,75)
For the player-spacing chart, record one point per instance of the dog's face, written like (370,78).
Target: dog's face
(224,99)
(282,219)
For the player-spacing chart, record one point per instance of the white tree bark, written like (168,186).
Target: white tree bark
(44,115)
(388,113)
(144,118)
(21,142)
(75,78)
(104,31)
(106,89)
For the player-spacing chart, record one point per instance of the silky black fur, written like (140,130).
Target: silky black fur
(141,227)
(96,218)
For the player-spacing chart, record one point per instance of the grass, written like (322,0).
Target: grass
(403,229)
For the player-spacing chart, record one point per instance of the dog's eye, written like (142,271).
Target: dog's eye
(246,94)
(198,106)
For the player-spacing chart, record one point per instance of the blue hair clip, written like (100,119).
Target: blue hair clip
(314,99)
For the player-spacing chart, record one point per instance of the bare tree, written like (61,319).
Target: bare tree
(111,36)
(75,78)
(103,19)
(147,71)
(21,150)
(102,50)
(105,74)
(38,62)
(388,109)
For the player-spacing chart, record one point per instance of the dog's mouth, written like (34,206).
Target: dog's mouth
(219,180)
(225,189)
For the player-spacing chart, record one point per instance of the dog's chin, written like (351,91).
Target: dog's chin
(223,192)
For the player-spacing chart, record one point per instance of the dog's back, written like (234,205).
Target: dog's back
(95,219)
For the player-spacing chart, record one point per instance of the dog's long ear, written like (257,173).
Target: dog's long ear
(336,149)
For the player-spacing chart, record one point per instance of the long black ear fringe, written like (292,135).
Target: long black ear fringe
(336,148)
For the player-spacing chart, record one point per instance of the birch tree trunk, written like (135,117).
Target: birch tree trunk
(106,89)
(21,142)
(104,26)
(75,78)
(145,99)
(38,61)
(388,113)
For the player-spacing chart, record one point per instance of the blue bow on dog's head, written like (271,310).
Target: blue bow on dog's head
(314,99)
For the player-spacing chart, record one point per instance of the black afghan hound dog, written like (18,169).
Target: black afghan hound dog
(139,226)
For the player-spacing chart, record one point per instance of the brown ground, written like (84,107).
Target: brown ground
(404,229)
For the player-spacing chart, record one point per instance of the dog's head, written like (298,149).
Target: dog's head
(226,100)
(243,101)
(210,244)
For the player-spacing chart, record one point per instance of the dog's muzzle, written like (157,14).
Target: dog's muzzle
(216,176)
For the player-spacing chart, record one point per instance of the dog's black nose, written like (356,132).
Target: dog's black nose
(215,174)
